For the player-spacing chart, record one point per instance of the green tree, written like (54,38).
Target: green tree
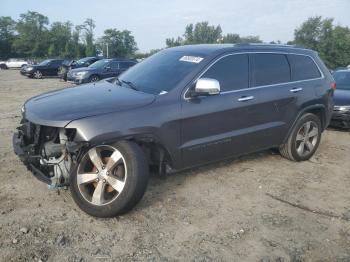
(32,39)
(120,43)
(89,26)
(200,33)
(236,39)
(60,36)
(7,36)
(203,33)
(330,41)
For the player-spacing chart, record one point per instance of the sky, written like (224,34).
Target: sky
(152,21)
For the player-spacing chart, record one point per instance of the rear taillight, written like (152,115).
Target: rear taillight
(333,85)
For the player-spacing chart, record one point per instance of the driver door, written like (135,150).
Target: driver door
(222,125)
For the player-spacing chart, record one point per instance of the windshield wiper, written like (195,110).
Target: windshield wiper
(118,82)
(130,84)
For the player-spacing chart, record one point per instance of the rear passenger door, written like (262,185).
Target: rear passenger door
(281,97)
(219,126)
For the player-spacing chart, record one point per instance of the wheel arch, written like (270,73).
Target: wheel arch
(156,152)
(319,110)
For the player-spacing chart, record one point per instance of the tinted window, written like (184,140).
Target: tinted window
(303,67)
(342,78)
(114,65)
(126,64)
(231,72)
(269,69)
(56,62)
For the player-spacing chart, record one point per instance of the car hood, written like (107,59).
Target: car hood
(60,107)
(341,97)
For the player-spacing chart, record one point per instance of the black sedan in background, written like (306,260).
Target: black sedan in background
(101,69)
(47,67)
(341,112)
(84,62)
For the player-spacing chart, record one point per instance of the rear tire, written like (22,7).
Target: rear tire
(122,183)
(304,139)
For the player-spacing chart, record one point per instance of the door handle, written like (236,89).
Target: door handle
(295,90)
(245,98)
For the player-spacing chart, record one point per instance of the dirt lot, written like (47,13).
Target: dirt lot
(260,207)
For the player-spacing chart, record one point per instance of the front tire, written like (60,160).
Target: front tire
(94,78)
(37,75)
(109,180)
(304,139)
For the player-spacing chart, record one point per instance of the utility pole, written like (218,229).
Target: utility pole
(107,49)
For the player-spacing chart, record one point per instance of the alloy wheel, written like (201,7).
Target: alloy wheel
(94,79)
(101,175)
(306,138)
(38,74)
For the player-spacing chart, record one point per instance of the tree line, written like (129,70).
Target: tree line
(32,36)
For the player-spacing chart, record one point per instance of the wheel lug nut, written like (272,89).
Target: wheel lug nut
(104,180)
(103,167)
(96,171)
(97,179)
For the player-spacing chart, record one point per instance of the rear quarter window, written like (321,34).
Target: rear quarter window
(303,68)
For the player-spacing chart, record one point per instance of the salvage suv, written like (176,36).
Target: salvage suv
(180,108)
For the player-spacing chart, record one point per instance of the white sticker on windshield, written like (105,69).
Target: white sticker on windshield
(191,59)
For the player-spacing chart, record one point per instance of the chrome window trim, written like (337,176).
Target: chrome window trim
(257,87)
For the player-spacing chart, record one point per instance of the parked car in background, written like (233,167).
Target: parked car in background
(180,108)
(101,69)
(47,67)
(15,63)
(341,113)
(84,62)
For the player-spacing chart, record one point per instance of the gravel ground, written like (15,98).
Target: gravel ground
(260,207)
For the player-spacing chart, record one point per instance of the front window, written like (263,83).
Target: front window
(342,79)
(44,63)
(163,71)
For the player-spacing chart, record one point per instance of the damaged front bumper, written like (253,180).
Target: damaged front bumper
(26,154)
(46,152)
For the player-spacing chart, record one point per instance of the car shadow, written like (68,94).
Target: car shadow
(162,186)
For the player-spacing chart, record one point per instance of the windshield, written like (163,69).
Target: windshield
(342,79)
(162,72)
(99,64)
(45,62)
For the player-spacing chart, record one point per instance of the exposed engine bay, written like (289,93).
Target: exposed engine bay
(49,152)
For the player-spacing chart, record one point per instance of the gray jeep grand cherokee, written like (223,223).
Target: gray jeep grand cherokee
(180,108)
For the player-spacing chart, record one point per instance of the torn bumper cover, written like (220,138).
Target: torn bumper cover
(26,153)
(46,152)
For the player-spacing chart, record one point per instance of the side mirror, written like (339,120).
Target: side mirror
(206,87)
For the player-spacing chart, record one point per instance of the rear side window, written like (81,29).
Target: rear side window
(126,64)
(303,68)
(269,69)
(231,72)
